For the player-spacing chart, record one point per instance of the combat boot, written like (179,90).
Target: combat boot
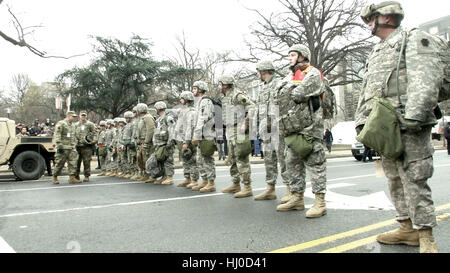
(296,202)
(192,184)
(168,181)
(235,187)
(145,177)
(210,187)
(245,192)
(86,179)
(108,173)
(186,182)
(128,176)
(319,207)
(287,196)
(55,180)
(150,180)
(77,177)
(159,181)
(404,235)
(135,176)
(101,174)
(115,173)
(198,187)
(268,194)
(73,179)
(427,241)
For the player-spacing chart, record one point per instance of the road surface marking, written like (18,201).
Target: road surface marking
(5,247)
(368,240)
(343,235)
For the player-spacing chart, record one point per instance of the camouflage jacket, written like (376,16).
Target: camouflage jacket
(186,124)
(82,130)
(236,106)
(204,117)
(127,135)
(296,115)
(267,109)
(146,129)
(65,137)
(163,133)
(419,77)
(101,138)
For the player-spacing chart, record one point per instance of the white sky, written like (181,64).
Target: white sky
(210,25)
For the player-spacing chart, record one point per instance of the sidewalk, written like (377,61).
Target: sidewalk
(337,151)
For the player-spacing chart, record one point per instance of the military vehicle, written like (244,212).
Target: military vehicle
(26,156)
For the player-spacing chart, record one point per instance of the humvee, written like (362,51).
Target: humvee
(26,156)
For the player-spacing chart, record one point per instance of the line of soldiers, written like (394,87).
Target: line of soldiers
(288,116)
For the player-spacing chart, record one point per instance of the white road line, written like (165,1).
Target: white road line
(5,247)
(155,200)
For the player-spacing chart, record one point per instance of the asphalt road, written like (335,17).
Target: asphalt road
(118,215)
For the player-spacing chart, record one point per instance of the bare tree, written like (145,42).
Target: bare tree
(332,30)
(22,32)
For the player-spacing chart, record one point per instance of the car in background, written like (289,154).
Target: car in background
(358,150)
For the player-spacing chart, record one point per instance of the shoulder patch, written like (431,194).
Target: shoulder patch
(425,42)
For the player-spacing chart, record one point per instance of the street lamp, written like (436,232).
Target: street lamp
(8,111)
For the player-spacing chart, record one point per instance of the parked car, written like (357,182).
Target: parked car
(358,150)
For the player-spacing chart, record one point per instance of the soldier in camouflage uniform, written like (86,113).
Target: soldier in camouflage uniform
(204,131)
(236,101)
(184,135)
(272,143)
(164,137)
(121,150)
(298,98)
(102,147)
(128,142)
(65,140)
(109,154)
(114,148)
(144,135)
(86,133)
(418,89)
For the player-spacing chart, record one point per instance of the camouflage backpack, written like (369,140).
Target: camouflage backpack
(328,99)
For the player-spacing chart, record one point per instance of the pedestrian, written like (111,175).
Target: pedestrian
(86,134)
(237,131)
(402,70)
(367,153)
(447,136)
(66,141)
(272,143)
(328,139)
(302,125)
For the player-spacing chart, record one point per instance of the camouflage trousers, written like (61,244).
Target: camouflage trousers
(63,156)
(168,164)
(142,155)
(273,156)
(123,162)
(190,166)
(239,167)
(131,159)
(407,179)
(206,166)
(111,161)
(103,163)
(85,156)
(315,163)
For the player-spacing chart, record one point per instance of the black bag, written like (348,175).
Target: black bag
(153,167)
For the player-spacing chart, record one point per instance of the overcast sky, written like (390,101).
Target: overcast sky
(210,25)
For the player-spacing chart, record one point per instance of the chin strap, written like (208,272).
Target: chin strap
(381,25)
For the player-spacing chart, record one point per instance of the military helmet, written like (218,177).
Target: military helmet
(102,123)
(201,85)
(89,137)
(160,105)
(135,109)
(116,120)
(109,121)
(122,120)
(128,114)
(383,8)
(226,79)
(141,108)
(265,65)
(187,96)
(302,49)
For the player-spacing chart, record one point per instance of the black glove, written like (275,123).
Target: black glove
(359,129)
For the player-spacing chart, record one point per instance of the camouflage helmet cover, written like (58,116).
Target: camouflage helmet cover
(135,109)
(102,123)
(122,120)
(128,114)
(142,108)
(383,8)
(226,79)
(201,85)
(109,121)
(160,105)
(116,120)
(302,49)
(265,65)
(187,95)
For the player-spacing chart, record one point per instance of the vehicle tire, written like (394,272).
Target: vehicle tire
(29,165)
(358,157)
